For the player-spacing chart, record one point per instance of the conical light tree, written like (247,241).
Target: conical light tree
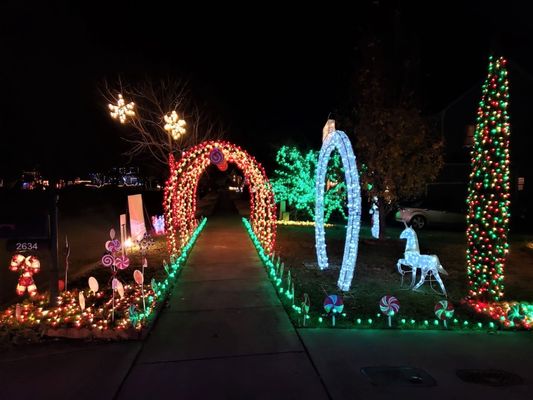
(489,189)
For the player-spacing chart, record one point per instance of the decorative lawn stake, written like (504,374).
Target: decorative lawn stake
(306,305)
(26,267)
(115,262)
(292,293)
(338,140)
(67,255)
(374,211)
(444,311)
(412,258)
(281,271)
(138,276)
(81,300)
(93,284)
(333,304)
(289,280)
(389,305)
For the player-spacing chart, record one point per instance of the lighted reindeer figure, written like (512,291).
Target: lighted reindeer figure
(412,258)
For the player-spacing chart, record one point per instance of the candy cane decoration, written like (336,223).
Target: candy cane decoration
(338,140)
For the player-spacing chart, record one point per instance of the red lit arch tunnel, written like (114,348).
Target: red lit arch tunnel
(180,194)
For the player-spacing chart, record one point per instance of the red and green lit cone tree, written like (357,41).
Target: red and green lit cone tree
(489,189)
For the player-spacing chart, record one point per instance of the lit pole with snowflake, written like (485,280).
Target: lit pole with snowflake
(489,189)
(122,111)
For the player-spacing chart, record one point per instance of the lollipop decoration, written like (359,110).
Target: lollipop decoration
(306,305)
(26,267)
(93,284)
(115,262)
(333,304)
(216,156)
(389,305)
(444,311)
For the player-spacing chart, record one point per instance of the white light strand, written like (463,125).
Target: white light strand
(340,141)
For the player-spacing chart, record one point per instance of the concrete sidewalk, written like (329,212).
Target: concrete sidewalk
(225,334)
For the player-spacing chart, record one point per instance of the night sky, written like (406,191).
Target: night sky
(272,74)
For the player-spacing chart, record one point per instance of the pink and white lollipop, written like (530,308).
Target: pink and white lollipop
(108,260)
(112,245)
(122,262)
(389,305)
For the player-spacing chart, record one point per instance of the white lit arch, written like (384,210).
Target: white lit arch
(338,140)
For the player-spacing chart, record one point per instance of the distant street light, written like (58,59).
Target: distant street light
(174,125)
(122,110)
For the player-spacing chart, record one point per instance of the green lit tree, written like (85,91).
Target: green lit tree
(489,188)
(294,182)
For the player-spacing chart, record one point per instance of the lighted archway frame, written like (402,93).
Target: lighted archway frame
(338,140)
(180,193)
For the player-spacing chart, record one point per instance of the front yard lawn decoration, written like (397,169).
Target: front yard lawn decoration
(444,311)
(489,189)
(26,267)
(181,187)
(428,264)
(389,305)
(338,140)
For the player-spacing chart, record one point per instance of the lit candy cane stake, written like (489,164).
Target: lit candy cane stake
(389,305)
(444,311)
(338,140)
(306,305)
(26,267)
(333,304)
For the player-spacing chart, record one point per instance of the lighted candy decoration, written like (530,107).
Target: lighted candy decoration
(158,222)
(338,140)
(412,258)
(81,300)
(93,284)
(389,305)
(113,245)
(216,156)
(26,267)
(122,262)
(306,305)
(223,166)
(138,277)
(374,211)
(333,304)
(444,311)
(108,260)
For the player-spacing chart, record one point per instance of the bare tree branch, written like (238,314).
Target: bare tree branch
(154,100)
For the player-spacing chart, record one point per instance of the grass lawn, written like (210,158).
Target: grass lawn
(376,274)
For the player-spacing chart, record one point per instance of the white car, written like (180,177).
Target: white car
(431,213)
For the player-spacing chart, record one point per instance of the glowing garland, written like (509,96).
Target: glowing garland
(338,140)
(180,193)
(512,314)
(300,313)
(95,320)
(489,189)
